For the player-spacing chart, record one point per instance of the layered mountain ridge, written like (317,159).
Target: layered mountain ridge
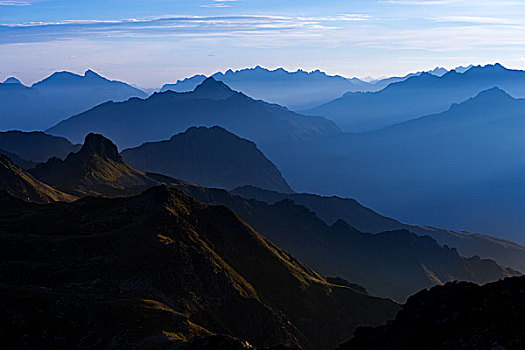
(57,97)
(159,117)
(161,268)
(417,96)
(333,208)
(395,263)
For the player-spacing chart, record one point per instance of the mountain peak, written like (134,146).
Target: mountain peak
(96,144)
(92,74)
(12,80)
(214,89)
(492,93)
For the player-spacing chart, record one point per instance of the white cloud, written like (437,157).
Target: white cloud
(14,3)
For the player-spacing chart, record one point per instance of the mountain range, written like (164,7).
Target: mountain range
(459,169)
(156,270)
(333,208)
(211,157)
(160,268)
(131,123)
(413,262)
(395,263)
(417,96)
(329,209)
(57,97)
(297,90)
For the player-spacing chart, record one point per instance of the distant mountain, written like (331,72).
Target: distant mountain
(295,90)
(12,80)
(57,97)
(333,208)
(212,157)
(22,185)
(160,116)
(456,315)
(35,147)
(463,168)
(395,264)
(157,270)
(96,169)
(417,96)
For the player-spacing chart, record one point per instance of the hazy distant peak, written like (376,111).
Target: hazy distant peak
(92,74)
(12,80)
(495,91)
(214,89)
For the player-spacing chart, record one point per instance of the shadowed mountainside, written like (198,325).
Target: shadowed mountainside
(131,123)
(56,98)
(211,157)
(454,316)
(96,169)
(158,269)
(331,209)
(394,264)
(23,185)
(35,146)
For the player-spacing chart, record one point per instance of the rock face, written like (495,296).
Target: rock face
(23,185)
(35,146)
(211,157)
(158,269)
(131,123)
(96,169)
(395,263)
(454,316)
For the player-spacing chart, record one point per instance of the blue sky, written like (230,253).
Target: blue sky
(150,42)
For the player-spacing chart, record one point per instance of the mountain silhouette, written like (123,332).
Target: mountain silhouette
(56,98)
(394,264)
(333,208)
(161,268)
(211,157)
(136,121)
(23,185)
(417,96)
(461,169)
(458,315)
(35,147)
(295,90)
(12,80)
(96,169)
